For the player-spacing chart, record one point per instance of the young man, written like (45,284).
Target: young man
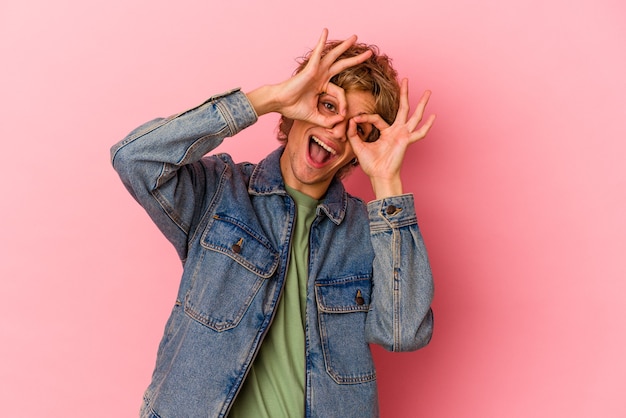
(287,279)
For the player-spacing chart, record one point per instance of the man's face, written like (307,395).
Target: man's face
(314,154)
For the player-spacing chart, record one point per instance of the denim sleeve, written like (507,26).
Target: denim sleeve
(400,316)
(159,162)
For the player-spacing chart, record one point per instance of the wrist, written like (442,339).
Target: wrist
(386,187)
(263,100)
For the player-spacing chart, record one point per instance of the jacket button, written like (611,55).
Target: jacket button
(391,209)
(237,247)
(359,298)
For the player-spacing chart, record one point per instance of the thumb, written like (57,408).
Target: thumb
(355,141)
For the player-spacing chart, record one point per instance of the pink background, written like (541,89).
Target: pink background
(520,192)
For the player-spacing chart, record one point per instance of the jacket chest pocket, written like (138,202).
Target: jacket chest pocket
(235,263)
(342,307)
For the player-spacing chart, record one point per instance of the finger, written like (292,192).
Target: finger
(354,139)
(321,43)
(340,95)
(419,111)
(332,55)
(326,121)
(403,108)
(335,96)
(423,130)
(341,65)
(371,118)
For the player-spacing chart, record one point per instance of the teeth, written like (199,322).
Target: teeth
(323,145)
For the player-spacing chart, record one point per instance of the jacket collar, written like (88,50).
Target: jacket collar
(266,179)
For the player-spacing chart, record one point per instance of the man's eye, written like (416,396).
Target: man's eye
(364,131)
(329,107)
(373,135)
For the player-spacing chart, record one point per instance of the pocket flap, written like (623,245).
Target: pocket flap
(344,295)
(253,251)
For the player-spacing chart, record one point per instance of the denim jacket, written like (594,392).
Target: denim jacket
(231,224)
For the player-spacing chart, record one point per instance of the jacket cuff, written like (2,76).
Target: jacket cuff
(235,108)
(392,212)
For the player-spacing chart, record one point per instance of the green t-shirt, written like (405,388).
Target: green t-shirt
(274,387)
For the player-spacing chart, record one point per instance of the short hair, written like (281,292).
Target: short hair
(375,75)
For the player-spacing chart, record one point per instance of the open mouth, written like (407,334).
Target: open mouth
(319,152)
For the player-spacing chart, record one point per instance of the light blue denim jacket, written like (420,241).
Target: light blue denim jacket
(231,224)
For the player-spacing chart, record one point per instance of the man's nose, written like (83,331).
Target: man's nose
(339,131)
